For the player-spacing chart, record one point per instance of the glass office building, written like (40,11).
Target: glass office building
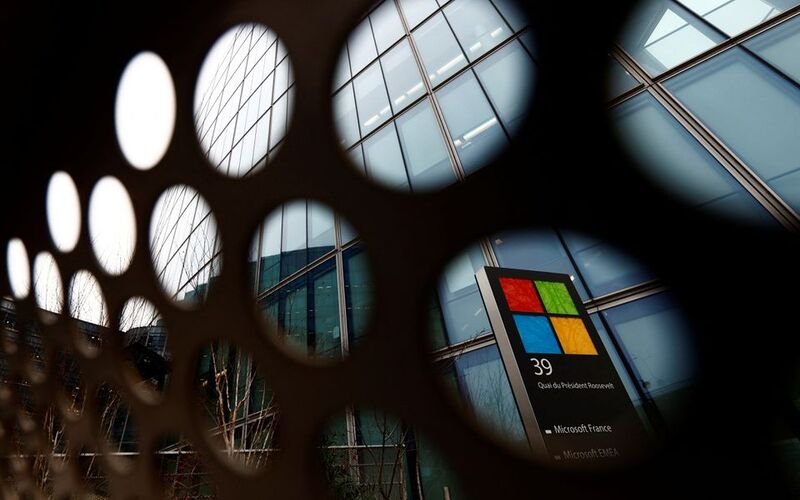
(706,94)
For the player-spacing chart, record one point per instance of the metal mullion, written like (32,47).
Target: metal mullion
(728,44)
(188,281)
(456,350)
(257,270)
(207,102)
(340,284)
(743,174)
(234,142)
(272,101)
(421,98)
(300,272)
(455,162)
(213,125)
(740,171)
(624,296)
(627,95)
(488,252)
(778,71)
(380,54)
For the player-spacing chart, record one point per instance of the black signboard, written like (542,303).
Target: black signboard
(575,410)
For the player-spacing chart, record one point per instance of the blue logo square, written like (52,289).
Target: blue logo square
(537,335)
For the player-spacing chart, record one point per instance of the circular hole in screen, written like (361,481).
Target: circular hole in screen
(424,95)
(518,349)
(244,99)
(302,284)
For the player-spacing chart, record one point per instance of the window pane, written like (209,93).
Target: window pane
(357,158)
(386,25)
(341,74)
(619,80)
(358,292)
(661,34)
(385,160)
(293,312)
(320,230)
(539,250)
(439,49)
(402,76)
(269,275)
(348,234)
(780,46)
(417,10)
(483,383)
(293,249)
(324,336)
(477,25)
(512,12)
(508,78)
(753,110)
(361,46)
(426,157)
(371,100)
(604,269)
(658,342)
(734,16)
(462,306)
(279,117)
(475,131)
(674,159)
(344,109)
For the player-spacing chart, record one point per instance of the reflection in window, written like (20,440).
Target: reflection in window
(358,291)
(385,160)
(307,312)
(507,76)
(425,153)
(755,111)
(439,49)
(603,268)
(270,266)
(539,250)
(293,241)
(734,16)
(477,25)
(402,76)
(661,34)
(371,101)
(780,47)
(480,378)
(657,339)
(462,306)
(474,129)
(674,159)
(320,231)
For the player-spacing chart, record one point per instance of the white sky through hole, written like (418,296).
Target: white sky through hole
(144,112)
(112,225)
(63,211)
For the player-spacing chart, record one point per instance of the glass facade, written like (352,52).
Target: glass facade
(693,96)
(408,71)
